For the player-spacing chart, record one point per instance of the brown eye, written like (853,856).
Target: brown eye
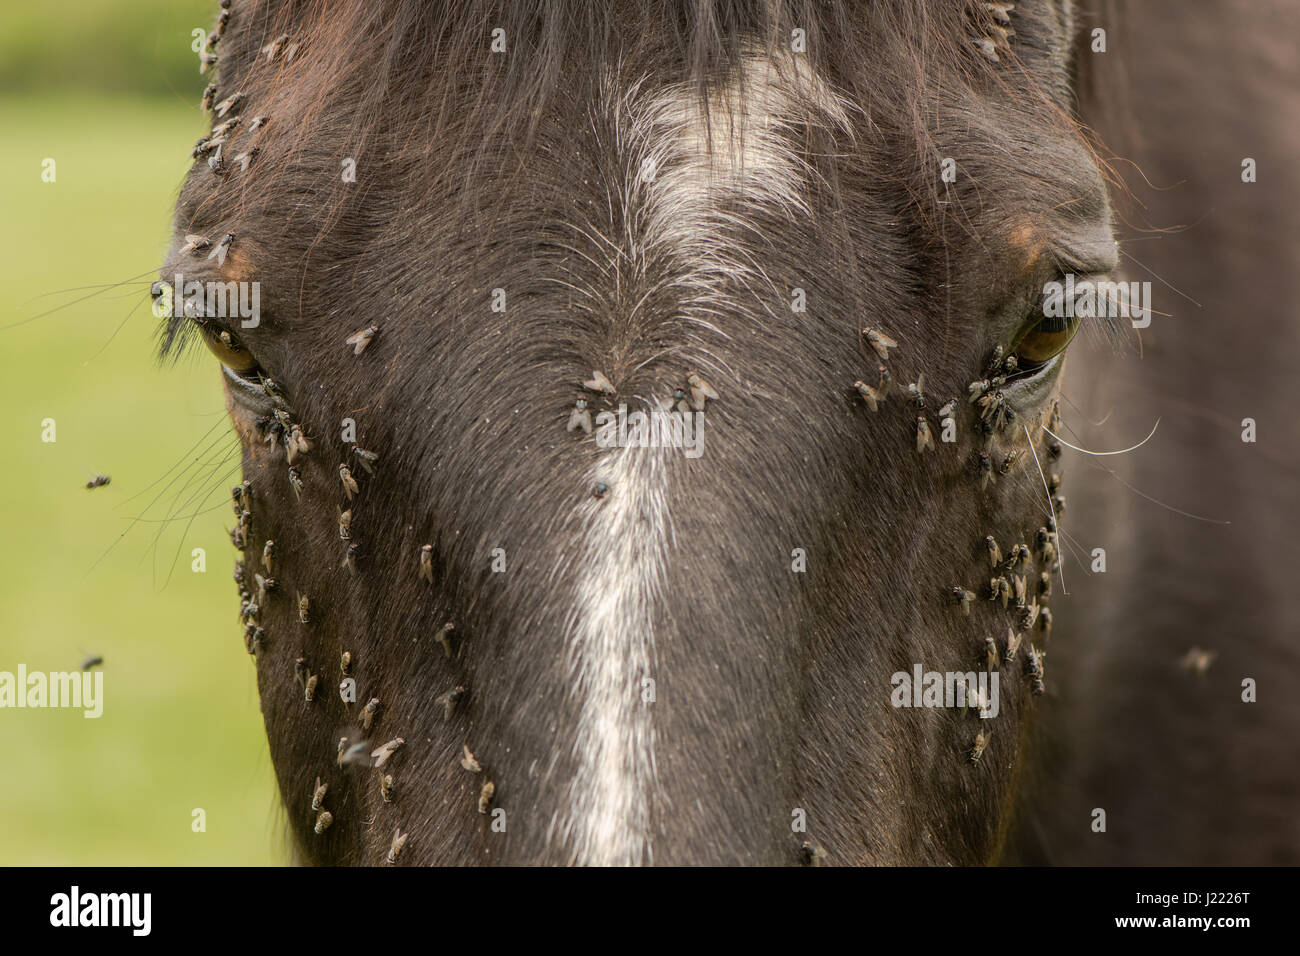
(1045,340)
(228,351)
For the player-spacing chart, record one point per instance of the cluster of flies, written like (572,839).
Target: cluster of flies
(213,147)
(1010,573)
(873,396)
(1011,582)
(997,41)
(278,430)
(697,393)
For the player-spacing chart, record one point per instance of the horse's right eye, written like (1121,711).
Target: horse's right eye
(1045,340)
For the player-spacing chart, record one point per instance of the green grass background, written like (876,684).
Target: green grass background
(110,92)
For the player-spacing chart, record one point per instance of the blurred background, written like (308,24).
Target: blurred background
(110,92)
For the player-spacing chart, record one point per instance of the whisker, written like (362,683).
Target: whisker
(180,545)
(192,487)
(1122,451)
(181,474)
(182,459)
(194,514)
(119,328)
(1155,501)
(202,495)
(101,286)
(1142,494)
(1161,278)
(68,305)
(1060,565)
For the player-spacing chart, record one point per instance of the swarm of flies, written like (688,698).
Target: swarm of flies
(229,103)
(1034,669)
(353,754)
(194,244)
(295,443)
(991,656)
(811,854)
(1013,645)
(916,392)
(221,248)
(264,587)
(924,440)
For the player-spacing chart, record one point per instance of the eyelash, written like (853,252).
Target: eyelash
(181,334)
(1051,342)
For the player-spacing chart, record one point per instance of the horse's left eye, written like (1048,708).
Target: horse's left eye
(228,350)
(1045,339)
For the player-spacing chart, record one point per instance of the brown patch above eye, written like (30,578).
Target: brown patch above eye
(239,264)
(1027,246)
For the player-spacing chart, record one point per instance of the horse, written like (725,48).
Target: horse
(1182,762)
(644,402)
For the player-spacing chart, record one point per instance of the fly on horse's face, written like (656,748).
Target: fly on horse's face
(478,232)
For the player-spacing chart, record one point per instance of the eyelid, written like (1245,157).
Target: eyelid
(248,393)
(1093,256)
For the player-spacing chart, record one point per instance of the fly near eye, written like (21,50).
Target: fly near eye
(228,351)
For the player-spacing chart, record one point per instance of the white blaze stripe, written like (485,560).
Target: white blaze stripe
(621,579)
(677,220)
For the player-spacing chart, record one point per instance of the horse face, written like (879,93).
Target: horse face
(672,637)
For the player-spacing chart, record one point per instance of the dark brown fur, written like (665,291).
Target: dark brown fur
(772,687)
